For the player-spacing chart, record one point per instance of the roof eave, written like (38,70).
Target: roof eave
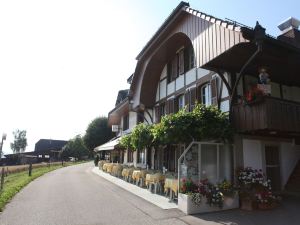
(169,20)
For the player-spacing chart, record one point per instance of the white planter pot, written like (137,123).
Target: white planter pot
(186,205)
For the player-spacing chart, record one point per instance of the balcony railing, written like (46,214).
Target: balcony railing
(267,114)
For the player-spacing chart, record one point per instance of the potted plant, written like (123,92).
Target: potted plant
(249,179)
(265,197)
(206,197)
(255,190)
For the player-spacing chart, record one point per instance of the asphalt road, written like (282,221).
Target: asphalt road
(76,196)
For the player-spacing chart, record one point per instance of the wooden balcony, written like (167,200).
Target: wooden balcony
(271,115)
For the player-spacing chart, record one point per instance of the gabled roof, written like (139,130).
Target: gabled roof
(49,144)
(184,7)
(122,95)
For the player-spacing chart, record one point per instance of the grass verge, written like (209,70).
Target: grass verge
(13,183)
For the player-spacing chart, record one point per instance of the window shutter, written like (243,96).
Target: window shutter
(214,90)
(157,114)
(187,100)
(191,57)
(171,107)
(174,70)
(169,72)
(198,94)
(176,104)
(181,62)
(193,98)
(167,107)
(186,59)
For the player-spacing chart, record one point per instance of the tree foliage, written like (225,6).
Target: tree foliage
(20,141)
(125,141)
(202,124)
(75,148)
(97,133)
(141,136)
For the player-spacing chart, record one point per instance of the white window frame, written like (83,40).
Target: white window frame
(206,94)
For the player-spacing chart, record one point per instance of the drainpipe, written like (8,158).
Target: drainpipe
(259,35)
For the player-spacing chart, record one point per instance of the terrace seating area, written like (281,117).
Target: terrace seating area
(153,180)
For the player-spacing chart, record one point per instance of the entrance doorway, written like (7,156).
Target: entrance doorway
(273,166)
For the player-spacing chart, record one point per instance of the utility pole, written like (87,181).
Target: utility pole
(3,139)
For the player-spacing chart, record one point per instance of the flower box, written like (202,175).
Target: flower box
(247,204)
(186,205)
(266,206)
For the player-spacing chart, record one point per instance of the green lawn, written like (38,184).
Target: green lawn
(13,183)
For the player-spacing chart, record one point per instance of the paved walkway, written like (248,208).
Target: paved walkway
(157,200)
(76,196)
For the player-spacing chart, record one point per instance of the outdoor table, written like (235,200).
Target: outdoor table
(105,165)
(100,164)
(136,174)
(124,172)
(127,173)
(154,179)
(109,167)
(172,185)
(117,170)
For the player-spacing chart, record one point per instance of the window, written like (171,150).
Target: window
(126,122)
(159,112)
(162,110)
(180,102)
(176,65)
(207,161)
(141,156)
(140,117)
(189,58)
(206,94)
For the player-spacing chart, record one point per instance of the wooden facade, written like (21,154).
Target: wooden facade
(273,115)
(208,36)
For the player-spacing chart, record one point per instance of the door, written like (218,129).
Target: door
(273,166)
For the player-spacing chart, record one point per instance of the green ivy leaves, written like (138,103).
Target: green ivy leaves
(203,123)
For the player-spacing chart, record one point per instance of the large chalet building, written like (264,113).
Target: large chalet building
(194,57)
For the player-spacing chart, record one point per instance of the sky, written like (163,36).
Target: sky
(62,62)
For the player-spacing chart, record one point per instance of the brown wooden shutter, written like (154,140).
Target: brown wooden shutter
(186,59)
(171,107)
(187,100)
(167,107)
(176,104)
(169,72)
(198,94)
(174,70)
(157,114)
(214,90)
(181,62)
(193,98)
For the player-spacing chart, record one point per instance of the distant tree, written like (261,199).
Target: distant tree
(97,133)
(75,148)
(20,141)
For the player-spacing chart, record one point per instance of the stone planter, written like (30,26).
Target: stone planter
(265,206)
(186,205)
(247,204)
